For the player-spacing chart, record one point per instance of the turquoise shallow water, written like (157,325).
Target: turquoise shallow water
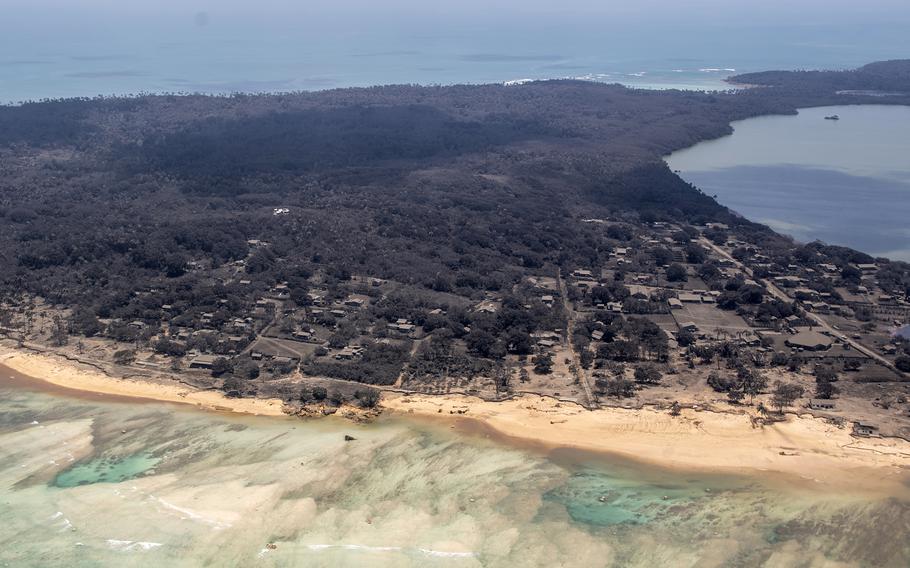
(85,483)
(106,469)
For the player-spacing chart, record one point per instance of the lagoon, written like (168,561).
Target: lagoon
(845,182)
(88,482)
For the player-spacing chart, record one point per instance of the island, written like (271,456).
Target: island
(516,254)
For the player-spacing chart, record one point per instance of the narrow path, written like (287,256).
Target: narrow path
(580,373)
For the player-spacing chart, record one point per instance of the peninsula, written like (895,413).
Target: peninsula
(473,251)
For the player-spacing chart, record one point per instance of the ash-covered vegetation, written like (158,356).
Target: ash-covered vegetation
(355,221)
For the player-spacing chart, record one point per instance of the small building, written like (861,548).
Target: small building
(688,326)
(202,362)
(864,429)
(810,341)
(597,335)
(689,298)
(821,404)
(675,303)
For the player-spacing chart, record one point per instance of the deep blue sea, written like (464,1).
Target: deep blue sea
(62,49)
(844,182)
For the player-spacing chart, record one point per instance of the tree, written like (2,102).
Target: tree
(719,383)
(221,366)
(620,388)
(825,374)
(825,389)
(677,273)
(320,394)
(695,254)
(368,398)
(59,335)
(543,364)
(735,395)
(481,342)
(785,394)
(752,382)
(124,357)
(84,321)
(587,359)
(520,342)
(685,338)
(232,386)
(647,375)
(247,370)
(337,398)
(903,363)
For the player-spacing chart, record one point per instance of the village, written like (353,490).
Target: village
(679,316)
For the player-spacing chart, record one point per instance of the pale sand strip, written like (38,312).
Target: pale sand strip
(69,375)
(804,446)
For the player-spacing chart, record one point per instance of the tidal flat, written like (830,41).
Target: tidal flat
(92,483)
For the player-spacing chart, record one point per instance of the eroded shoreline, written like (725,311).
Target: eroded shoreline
(805,447)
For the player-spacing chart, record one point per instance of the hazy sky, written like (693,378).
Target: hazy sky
(74,47)
(51,12)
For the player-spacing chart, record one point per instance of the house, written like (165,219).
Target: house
(583,274)
(867,268)
(864,429)
(597,335)
(688,326)
(810,341)
(548,299)
(675,303)
(349,353)
(821,404)
(689,298)
(202,362)
(487,307)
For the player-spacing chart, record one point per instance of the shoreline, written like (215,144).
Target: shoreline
(70,378)
(801,447)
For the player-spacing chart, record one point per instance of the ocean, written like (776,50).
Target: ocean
(87,482)
(844,182)
(83,49)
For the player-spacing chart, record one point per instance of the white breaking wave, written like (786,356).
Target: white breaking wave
(361,547)
(442,553)
(131,545)
(191,515)
(63,523)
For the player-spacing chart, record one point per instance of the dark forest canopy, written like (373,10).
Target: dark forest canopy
(461,188)
(886,76)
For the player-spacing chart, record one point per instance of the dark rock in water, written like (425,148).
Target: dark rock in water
(348,438)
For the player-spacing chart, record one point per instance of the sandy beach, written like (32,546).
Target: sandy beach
(804,446)
(82,378)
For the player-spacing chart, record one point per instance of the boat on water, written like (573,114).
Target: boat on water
(832,117)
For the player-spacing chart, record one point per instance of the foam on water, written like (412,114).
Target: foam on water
(230,491)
